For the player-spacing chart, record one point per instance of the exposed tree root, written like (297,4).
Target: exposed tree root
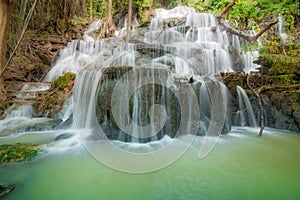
(107,29)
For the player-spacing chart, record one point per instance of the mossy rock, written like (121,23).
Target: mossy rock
(63,81)
(52,100)
(19,152)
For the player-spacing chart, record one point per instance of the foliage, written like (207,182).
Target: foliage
(142,4)
(249,14)
(215,7)
(99,9)
(18,152)
(278,79)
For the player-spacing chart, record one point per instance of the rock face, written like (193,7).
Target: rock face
(282,114)
(285,116)
(181,108)
(147,96)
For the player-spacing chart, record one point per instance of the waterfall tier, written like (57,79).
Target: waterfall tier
(160,83)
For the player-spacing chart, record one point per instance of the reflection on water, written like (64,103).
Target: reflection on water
(241,166)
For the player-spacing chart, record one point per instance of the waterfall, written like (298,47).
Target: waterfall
(161,84)
(282,35)
(248,56)
(94,26)
(245,113)
(125,56)
(84,99)
(212,41)
(74,57)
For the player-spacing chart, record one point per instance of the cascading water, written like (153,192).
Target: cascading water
(168,66)
(186,57)
(23,111)
(281,32)
(245,115)
(75,56)
(248,56)
(21,116)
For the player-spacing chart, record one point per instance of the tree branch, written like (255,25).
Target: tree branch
(248,37)
(227,8)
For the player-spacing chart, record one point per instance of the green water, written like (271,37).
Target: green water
(241,166)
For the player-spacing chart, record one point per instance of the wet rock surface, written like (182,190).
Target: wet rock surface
(26,125)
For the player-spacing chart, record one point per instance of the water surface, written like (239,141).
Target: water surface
(241,166)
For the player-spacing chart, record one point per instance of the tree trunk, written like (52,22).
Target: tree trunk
(4,20)
(109,14)
(5,13)
(128,28)
(91,10)
(63,17)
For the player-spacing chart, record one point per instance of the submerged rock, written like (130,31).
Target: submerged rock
(64,136)
(5,189)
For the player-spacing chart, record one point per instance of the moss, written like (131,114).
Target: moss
(19,152)
(64,80)
(283,65)
(30,67)
(278,80)
(20,59)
